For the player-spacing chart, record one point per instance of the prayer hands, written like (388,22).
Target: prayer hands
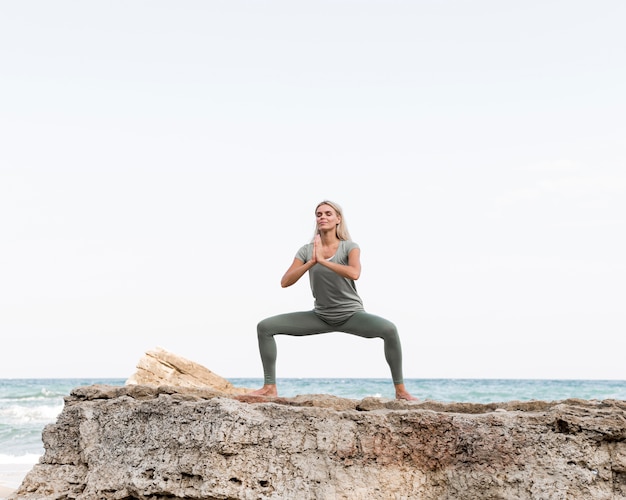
(317,249)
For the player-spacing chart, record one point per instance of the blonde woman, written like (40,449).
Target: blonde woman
(332,260)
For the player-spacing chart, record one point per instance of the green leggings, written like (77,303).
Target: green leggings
(308,323)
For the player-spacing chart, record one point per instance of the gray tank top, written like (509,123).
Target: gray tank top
(336,298)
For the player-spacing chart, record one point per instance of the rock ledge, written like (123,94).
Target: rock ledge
(163,442)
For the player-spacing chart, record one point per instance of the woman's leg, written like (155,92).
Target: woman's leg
(297,323)
(371,326)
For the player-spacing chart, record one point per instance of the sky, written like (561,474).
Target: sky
(160,163)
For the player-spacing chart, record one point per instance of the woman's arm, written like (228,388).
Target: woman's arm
(351,271)
(296,271)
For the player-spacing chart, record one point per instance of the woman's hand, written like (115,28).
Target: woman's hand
(317,249)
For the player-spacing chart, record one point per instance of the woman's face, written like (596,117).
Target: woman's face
(326,217)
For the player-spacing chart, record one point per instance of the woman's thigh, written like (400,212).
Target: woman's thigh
(368,325)
(296,323)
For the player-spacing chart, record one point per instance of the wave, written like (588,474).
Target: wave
(25,459)
(16,414)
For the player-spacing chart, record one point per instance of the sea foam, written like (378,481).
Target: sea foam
(26,459)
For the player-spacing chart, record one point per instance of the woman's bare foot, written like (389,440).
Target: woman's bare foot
(266,390)
(402,393)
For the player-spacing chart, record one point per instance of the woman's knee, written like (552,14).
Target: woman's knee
(389,331)
(264,328)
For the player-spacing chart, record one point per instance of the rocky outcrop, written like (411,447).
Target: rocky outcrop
(142,442)
(161,367)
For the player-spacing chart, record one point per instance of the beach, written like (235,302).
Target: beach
(5,492)
(11,476)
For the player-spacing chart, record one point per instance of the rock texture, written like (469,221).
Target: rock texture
(161,367)
(142,442)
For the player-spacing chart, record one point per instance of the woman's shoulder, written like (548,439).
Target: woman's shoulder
(349,245)
(305,251)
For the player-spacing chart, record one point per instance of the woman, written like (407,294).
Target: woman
(333,262)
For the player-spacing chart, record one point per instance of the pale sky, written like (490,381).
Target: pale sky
(160,163)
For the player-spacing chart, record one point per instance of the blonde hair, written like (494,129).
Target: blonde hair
(342,228)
